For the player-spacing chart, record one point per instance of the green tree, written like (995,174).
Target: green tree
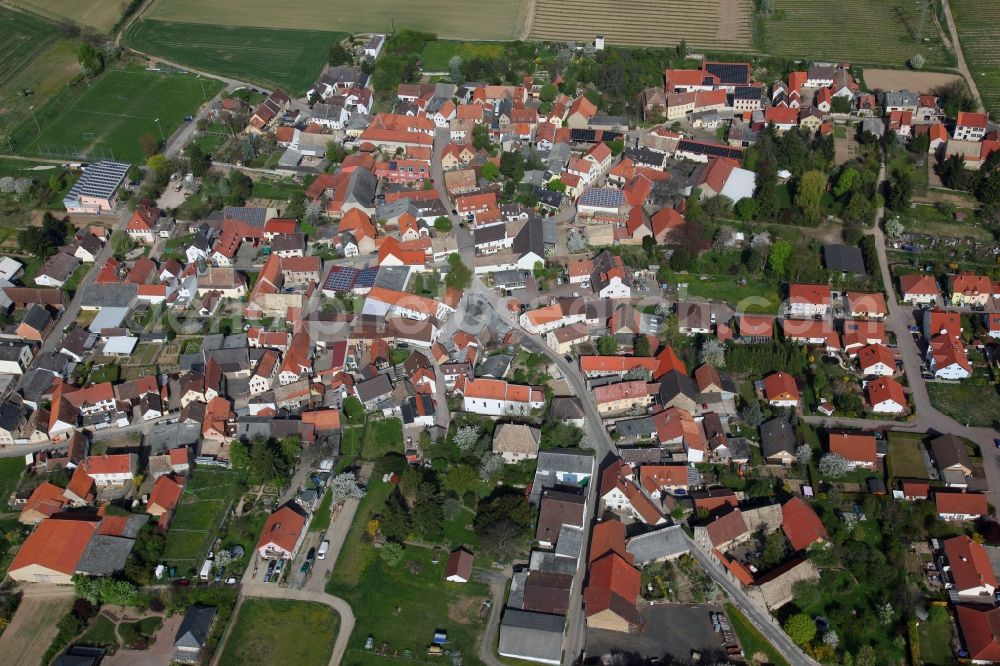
(778,258)
(848,181)
(809,194)
(606,345)
(158,164)
(556,186)
(800,628)
(459,275)
(642,347)
(900,189)
(505,506)
(491,171)
(460,479)
(512,166)
(766,193)
(149,144)
(681,259)
(428,512)
(338,55)
(548,93)
(745,210)
(617,146)
(91,60)
(198,160)
(481,137)
(354,411)
(391,553)
(121,244)
(395,518)
(443,224)
(953,173)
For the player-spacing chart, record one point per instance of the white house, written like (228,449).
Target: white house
(496,397)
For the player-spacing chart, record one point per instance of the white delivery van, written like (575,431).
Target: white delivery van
(323,547)
(206,570)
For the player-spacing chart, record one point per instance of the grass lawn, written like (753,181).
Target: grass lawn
(285,58)
(969,404)
(404,605)
(935,644)
(100,632)
(10,473)
(905,459)
(751,639)
(104,373)
(280,631)
(350,440)
(357,553)
(110,116)
(382,437)
(208,496)
(456,534)
(321,518)
(243,531)
(436,54)
(753,297)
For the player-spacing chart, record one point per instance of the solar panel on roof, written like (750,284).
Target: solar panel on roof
(341,278)
(602,196)
(728,72)
(100,180)
(366,278)
(710,149)
(583,135)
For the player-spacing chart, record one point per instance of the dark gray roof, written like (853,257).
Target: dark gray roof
(844,259)
(59,266)
(674,383)
(566,409)
(490,234)
(37,317)
(777,435)
(11,415)
(948,451)
(377,386)
(361,188)
(645,156)
(255,216)
(495,366)
(105,555)
(524,634)
(35,384)
(639,428)
(574,462)
(116,295)
(193,631)
(531,238)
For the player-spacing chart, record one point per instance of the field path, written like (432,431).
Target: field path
(957,48)
(34,624)
(529,18)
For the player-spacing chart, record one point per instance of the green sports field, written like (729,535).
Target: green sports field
(291,59)
(108,118)
(22,37)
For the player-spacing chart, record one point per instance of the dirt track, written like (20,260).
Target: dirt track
(898,79)
(34,626)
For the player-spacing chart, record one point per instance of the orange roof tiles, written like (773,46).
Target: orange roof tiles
(855,447)
(801,524)
(55,544)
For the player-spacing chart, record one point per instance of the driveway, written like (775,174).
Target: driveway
(159,653)
(671,629)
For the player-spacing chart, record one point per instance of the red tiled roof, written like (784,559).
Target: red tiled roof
(980,626)
(282,528)
(961,503)
(856,447)
(801,524)
(614,585)
(969,562)
(780,386)
(56,544)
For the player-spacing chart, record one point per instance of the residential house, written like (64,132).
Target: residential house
(960,505)
(968,570)
(283,533)
(858,449)
(516,442)
(918,289)
(780,390)
(778,442)
(496,397)
(885,395)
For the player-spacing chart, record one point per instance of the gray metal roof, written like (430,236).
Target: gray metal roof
(569,544)
(100,180)
(661,544)
(254,216)
(528,635)
(121,295)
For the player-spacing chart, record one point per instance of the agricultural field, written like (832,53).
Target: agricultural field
(437,53)
(102,16)
(471,19)
(795,28)
(979,43)
(34,64)
(108,118)
(271,630)
(208,497)
(899,79)
(719,24)
(273,58)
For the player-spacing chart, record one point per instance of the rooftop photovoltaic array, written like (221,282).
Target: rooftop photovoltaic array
(602,196)
(366,278)
(100,180)
(254,216)
(729,72)
(341,278)
(710,149)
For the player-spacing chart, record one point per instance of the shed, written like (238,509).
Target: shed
(459,567)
